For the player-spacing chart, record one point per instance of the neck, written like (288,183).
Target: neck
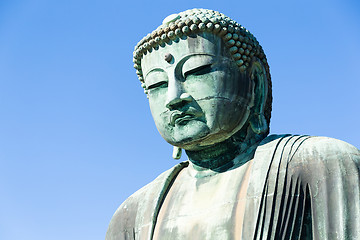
(221,156)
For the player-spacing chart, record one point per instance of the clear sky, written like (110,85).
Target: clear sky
(76,134)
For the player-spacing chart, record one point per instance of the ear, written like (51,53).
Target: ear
(258,76)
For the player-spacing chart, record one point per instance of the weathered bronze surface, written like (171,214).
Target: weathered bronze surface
(209,90)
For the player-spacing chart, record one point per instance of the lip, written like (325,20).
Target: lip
(182,119)
(178,117)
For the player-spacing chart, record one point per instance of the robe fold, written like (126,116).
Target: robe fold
(300,187)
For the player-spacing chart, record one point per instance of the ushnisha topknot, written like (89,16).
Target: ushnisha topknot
(241,44)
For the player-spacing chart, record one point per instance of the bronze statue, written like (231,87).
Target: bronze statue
(209,89)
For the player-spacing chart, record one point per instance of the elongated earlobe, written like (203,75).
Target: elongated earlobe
(258,122)
(176,153)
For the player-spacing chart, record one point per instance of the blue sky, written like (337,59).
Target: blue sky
(76,134)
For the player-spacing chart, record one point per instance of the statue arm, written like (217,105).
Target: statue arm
(331,172)
(121,226)
(137,215)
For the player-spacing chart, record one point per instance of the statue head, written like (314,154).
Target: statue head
(206,77)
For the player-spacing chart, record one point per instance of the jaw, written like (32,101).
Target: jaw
(206,141)
(203,139)
(200,134)
(185,136)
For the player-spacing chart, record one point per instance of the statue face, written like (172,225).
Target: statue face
(197,95)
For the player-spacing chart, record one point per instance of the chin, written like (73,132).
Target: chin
(187,136)
(205,139)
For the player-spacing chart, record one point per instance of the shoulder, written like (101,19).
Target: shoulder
(325,149)
(125,217)
(326,146)
(324,156)
(132,202)
(153,187)
(305,144)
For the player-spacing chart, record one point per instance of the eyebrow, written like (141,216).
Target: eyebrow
(157,69)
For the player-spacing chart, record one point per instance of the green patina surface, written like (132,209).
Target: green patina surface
(209,89)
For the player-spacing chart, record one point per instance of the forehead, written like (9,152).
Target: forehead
(207,43)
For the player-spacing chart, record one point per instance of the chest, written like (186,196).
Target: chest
(206,207)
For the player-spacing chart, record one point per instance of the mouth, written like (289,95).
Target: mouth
(181,118)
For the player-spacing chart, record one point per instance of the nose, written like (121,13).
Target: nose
(178,102)
(176,97)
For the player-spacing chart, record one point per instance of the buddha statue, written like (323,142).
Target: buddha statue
(209,89)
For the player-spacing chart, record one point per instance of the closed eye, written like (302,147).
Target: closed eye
(199,70)
(158,84)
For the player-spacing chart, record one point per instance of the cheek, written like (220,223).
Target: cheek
(157,100)
(205,86)
(213,109)
(222,84)
(159,118)
(222,114)
(159,112)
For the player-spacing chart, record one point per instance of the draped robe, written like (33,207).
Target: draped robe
(299,187)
